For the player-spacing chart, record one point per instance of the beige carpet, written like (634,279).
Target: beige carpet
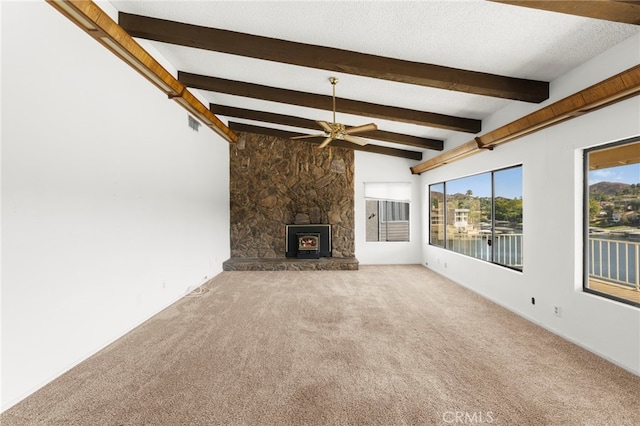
(386,345)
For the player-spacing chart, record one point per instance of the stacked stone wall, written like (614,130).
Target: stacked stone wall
(275,182)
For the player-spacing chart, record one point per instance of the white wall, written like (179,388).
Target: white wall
(382,168)
(112,207)
(553,241)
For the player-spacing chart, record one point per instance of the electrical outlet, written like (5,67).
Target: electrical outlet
(445,265)
(557,311)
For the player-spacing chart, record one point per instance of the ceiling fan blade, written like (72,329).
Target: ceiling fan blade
(364,128)
(355,139)
(325,142)
(309,136)
(326,126)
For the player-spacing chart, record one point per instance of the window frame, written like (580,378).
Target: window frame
(381,204)
(586,222)
(382,193)
(493,255)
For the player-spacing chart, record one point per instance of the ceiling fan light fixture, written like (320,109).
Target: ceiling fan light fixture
(338,131)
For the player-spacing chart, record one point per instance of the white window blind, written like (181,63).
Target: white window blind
(390,191)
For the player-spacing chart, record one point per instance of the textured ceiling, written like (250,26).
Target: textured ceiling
(473,35)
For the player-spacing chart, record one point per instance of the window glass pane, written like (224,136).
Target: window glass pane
(395,211)
(465,221)
(373,221)
(436,214)
(468,202)
(508,232)
(387,220)
(613,219)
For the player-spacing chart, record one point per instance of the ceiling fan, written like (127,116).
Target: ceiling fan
(333,131)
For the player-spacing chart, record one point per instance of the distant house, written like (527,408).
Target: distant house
(461,219)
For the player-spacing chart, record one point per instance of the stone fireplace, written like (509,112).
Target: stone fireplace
(277,184)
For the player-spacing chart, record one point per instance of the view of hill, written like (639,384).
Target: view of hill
(608,188)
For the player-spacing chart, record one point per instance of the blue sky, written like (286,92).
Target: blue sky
(508,184)
(625,174)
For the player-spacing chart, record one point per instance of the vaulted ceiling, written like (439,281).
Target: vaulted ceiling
(422,71)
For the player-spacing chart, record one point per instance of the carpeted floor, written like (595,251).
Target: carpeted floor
(385,345)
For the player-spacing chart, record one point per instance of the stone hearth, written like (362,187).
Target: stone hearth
(291,264)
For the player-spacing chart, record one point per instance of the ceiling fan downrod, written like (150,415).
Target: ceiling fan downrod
(334,81)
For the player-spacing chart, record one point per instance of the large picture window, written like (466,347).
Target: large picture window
(480,216)
(387,211)
(612,221)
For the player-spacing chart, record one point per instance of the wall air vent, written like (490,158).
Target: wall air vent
(193,123)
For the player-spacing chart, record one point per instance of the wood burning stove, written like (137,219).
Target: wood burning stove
(308,241)
(308,245)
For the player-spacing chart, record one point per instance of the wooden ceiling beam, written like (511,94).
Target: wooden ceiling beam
(332,59)
(609,91)
(627,12)
(305,123)
(376,149)
(325,102)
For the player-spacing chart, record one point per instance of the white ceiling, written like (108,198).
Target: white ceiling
(469,34)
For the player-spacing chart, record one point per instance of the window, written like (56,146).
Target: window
(612,221)
(468,215)
(507,201)
(436,215)
(480,216)
(387,211)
